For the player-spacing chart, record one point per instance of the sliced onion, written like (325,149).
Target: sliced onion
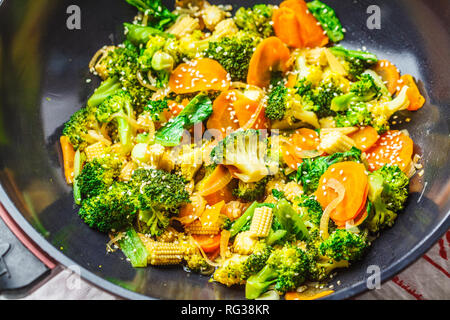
(114,240)
(144,83)
(217,185)
(99,137)
(99,56)
(340,190)
(250,123)
(410,170)
(208,261)
(334,63)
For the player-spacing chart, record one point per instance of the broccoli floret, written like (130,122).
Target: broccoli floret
(257,19)
(113,209)
(196,263)
(383,110)
(156,108)
(257,259)
(344,245)
(159,16)
(231,271)
(311,209)
(388,191)
(122,65)
(159,58)
(193,258)
(98,175)
(78,126)
(356,115)
(365,89)
(352,110)
(118,107)
(310,170)
(234,54)
(160,195)
(356,62)
(322,97)
(238,268)
(318,98)
(286,268)
(320,266)
(277,103)
(320,269)
(286,108)
(251,191)
(246,150)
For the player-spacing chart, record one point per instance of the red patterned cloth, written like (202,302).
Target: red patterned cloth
(426,279)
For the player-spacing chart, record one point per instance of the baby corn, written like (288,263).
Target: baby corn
(261,222)
(164,253)
(96,150)
(336,142)
(197,227)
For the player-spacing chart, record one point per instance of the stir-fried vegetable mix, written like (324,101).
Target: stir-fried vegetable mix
(247,146)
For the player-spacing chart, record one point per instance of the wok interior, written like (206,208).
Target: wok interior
(44,73)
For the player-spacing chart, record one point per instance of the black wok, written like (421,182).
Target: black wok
(43,73)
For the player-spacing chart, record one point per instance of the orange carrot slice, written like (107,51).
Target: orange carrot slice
(224,194)
(68,158)
(211,214)
(291,80)
(218,180)
(299,143)
(193,210)
(353,177)
(270,55)
(416,100)
(258,119)
(389,73)
(232,110)
(207,243)
(287,27)
(365,137)
(360,217)
(199,75)
(311,32)
(223,117)
(393,147)
(294,295)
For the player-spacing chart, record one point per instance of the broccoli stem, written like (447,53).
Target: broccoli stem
(106,89)
(140,35)
(125,134)
(354,54)
(257,284)
(275,236)
(242,220)
(134,249)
